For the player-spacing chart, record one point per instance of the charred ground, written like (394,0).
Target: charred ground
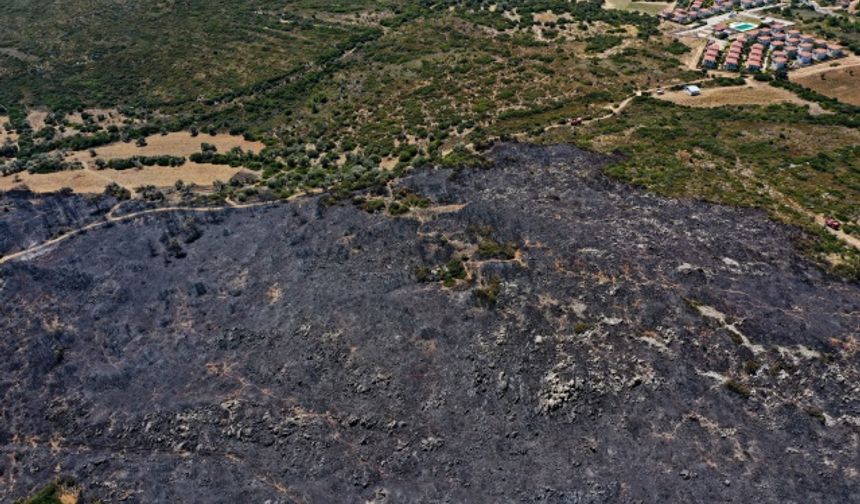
(539,333)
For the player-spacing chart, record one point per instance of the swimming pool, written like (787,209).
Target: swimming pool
(742,27)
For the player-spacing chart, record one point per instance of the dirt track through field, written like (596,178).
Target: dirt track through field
(752,93)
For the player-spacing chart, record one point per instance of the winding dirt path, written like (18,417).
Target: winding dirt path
(110,218)
(819,219)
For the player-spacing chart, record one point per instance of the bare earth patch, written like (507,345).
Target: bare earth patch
(94,181)
(841,81)
(547,17)
(6,135)
(697,46)
(753,93)
(36,118)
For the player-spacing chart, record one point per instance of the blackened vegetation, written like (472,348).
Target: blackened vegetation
(26,219)
(637,349)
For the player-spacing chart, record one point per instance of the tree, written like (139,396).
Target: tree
(117,191)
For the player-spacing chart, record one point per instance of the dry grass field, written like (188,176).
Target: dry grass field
(36,118)
(697,46)
(4,134)
(645,7)
(94,181)
(753,93)
(840,80)
(180,143)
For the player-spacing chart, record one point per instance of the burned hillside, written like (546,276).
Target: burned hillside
(536,333)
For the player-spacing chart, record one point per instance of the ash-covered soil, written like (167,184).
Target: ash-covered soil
(27,219)
(632,349)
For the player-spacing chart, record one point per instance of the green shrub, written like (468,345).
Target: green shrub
(374,205)
(491,249)
(600,43)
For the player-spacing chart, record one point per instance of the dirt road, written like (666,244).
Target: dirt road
(110,218)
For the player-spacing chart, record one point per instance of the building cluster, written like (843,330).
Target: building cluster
(770,47)
(697,11)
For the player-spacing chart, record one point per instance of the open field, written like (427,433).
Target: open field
(697,47)
(840,81)
(181,144)
(653,8)
(94,181)
(753,93)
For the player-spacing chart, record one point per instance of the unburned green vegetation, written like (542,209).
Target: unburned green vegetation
(347,95)
(778,158)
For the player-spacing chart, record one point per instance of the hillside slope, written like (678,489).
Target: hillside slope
(600,344)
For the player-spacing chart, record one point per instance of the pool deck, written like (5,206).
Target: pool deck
(706,29)
(742,26)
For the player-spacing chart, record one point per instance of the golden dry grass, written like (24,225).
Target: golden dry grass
(646,7)
(36,118)
(6,135)
(753,93)
(94,181)
(68,495)
(697,46)
(841,82)
(181,143)
(548,17)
